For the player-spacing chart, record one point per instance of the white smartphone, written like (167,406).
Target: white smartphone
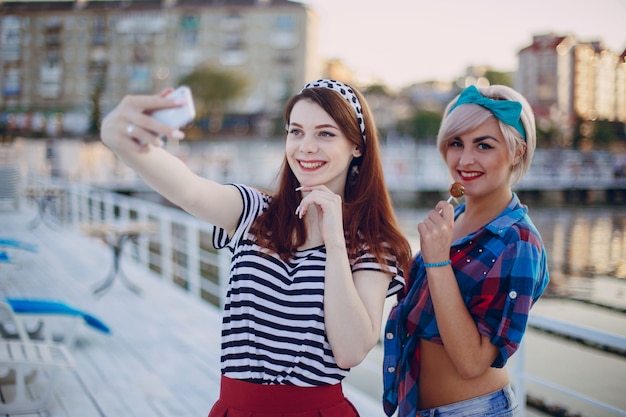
(178,116)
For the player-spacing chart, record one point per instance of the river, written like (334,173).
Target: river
(586,246)
(583,241)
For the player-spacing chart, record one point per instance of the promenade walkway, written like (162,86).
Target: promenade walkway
(409,167)
(162,357)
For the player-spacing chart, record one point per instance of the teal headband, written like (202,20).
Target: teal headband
(507,111)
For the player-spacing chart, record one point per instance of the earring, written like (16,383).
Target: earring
(354,173)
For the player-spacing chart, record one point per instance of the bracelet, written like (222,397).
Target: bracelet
(444,263)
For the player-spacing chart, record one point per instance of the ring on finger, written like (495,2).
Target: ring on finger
(130,129)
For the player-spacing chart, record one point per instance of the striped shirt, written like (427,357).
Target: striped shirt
(273,326)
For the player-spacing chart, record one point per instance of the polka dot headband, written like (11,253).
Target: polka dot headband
(347,93)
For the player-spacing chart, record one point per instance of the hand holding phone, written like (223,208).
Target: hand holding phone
(178,116)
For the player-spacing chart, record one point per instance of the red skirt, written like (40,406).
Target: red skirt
(245,399)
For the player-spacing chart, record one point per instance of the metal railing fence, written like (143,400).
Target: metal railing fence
(182,253)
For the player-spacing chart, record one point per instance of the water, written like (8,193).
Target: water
(583,242)
(586,247)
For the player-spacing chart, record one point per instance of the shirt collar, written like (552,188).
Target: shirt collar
(513,213)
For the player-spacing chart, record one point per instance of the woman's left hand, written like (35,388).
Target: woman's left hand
(328,207)
(436,233)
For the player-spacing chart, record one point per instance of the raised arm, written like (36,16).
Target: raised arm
(353,303)
(134,136)
(470,351)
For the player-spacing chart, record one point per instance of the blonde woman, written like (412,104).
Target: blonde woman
(481,267)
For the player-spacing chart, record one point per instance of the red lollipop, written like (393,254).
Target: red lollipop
(456,191)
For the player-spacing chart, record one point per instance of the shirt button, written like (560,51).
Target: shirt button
(513,294)
(391,369)
(389,336)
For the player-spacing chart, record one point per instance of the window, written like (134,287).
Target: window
(11,82)
(188,33)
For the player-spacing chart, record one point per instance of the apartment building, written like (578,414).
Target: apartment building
(566,80)
(55,54)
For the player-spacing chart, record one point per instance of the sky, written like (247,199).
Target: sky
(402,42)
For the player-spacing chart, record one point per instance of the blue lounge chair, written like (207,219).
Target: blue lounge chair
(25,362)
(17,244)
(37,306)
(8,244)
(46,314)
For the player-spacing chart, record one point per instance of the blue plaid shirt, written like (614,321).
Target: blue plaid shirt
(501,271)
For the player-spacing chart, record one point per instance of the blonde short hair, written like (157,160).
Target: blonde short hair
(467,117)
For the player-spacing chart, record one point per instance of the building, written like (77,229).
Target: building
(335,69)
(621,87)
(568,81)
(57,58)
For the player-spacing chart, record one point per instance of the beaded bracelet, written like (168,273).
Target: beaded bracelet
(444,263)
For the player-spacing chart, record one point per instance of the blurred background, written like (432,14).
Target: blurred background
(64,64)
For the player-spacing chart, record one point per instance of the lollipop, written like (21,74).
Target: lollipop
(456,191)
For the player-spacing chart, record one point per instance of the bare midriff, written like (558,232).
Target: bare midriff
(441,384)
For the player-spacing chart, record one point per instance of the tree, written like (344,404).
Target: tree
(213,90)
(376,89)
(498,77)
(96,110)
(422,125)
(601,134)
(548,136)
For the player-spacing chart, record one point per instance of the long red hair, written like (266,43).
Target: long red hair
(368,217)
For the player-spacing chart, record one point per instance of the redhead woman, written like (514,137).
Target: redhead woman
(312,263)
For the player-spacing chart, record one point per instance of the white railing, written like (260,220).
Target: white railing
(182,253)
(408,166)
(591,337)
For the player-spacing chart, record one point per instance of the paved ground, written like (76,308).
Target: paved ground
(162,358)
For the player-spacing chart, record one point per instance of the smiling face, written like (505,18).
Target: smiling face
(317,151)
(480,160)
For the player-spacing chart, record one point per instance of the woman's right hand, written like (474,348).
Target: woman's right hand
(135,137)
(436,232)
(129,126)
